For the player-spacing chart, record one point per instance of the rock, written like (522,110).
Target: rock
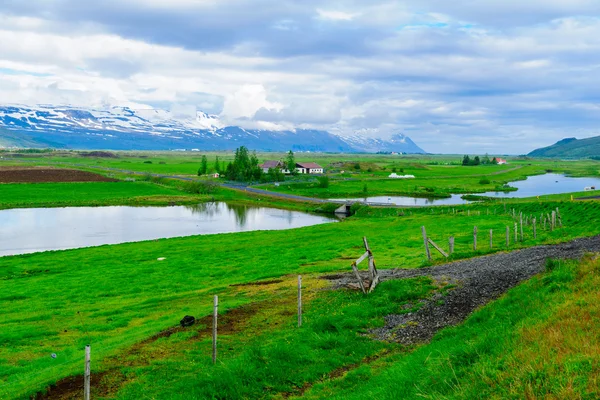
(161,259)
(188,320)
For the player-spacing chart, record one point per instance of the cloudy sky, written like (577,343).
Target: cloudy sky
(498,76)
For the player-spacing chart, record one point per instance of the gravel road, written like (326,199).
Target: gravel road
(478,281)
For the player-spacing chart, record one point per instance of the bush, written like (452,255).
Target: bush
(201,187)
(148,162)
(484,181)
(323,182)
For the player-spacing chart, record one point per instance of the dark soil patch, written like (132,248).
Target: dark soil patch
(476,281)
(107,383)
(259,283)
(99,154)
(39,175)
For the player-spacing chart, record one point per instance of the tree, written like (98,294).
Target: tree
(486,159)
(203,166)
(476,160)
(244,167)
(290,163)
(495,161)
(217,165)
(466,160)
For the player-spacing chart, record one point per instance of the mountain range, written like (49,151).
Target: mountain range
(571,148)
(122,128)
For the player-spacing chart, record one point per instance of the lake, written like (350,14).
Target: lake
(538,185)
(39,229)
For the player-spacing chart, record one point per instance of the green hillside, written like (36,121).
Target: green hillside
(9,138)
(571,148)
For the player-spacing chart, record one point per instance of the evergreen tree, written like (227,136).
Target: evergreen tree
(217,165)
(466,160)
(290,163)
(203,166)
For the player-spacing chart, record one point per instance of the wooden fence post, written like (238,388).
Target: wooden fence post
(88,371)
(491,238)
(534,229)
(451,245)
(507,236)
(516,233)
(553,220)
(214,338)
(475,238)
(299,301)
(521,219)
(424,232)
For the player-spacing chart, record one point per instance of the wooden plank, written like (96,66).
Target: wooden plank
(475,238)
(435,246)
(360,281)
(374,283)
(366,244)
(451,244)
(361,258)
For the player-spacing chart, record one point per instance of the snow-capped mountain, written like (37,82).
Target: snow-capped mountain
(122,128)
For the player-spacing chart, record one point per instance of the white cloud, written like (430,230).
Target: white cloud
(335,15)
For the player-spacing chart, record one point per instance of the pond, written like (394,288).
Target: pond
(40,229)
(538,185)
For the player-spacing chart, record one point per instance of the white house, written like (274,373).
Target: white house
(309,168)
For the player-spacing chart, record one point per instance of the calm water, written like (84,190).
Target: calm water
(39,229)
(533,186)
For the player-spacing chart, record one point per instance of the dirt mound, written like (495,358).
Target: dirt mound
(38,175)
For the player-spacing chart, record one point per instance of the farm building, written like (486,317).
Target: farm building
(301,168)
(309,168)
(271,164)
(501,161)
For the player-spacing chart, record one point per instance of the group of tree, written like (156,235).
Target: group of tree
(479,161)
(204,169)
(245,168)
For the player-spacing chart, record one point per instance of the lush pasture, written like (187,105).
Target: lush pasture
(116,296)
(23,195)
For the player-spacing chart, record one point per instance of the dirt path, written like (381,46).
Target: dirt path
(478,281)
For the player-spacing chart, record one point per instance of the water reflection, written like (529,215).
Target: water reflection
(533,186)
(31,230)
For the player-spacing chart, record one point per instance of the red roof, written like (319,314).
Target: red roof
(271,164)
(310,165)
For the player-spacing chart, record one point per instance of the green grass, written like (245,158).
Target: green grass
(540,340)
(116,296)
(25,195)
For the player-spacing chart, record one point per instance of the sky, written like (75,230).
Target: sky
(496,76)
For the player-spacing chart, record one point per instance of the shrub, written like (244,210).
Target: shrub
(323,181)
(201,187)
(484,181)
(148,162)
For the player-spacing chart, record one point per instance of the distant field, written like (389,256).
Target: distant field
(23,195)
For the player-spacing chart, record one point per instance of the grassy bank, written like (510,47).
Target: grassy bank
(540,340)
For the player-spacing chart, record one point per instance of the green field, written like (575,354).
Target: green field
(116,296)
(120,298)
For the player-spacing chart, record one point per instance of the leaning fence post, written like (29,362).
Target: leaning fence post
(214,338)
(451,245)
(299,301)
(87,376)
(424,232)
(475,238)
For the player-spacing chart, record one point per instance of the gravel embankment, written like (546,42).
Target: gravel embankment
(478,281)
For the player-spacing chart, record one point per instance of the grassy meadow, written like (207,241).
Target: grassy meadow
(538,341)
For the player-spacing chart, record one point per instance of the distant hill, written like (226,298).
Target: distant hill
(122,128)
(571,148)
